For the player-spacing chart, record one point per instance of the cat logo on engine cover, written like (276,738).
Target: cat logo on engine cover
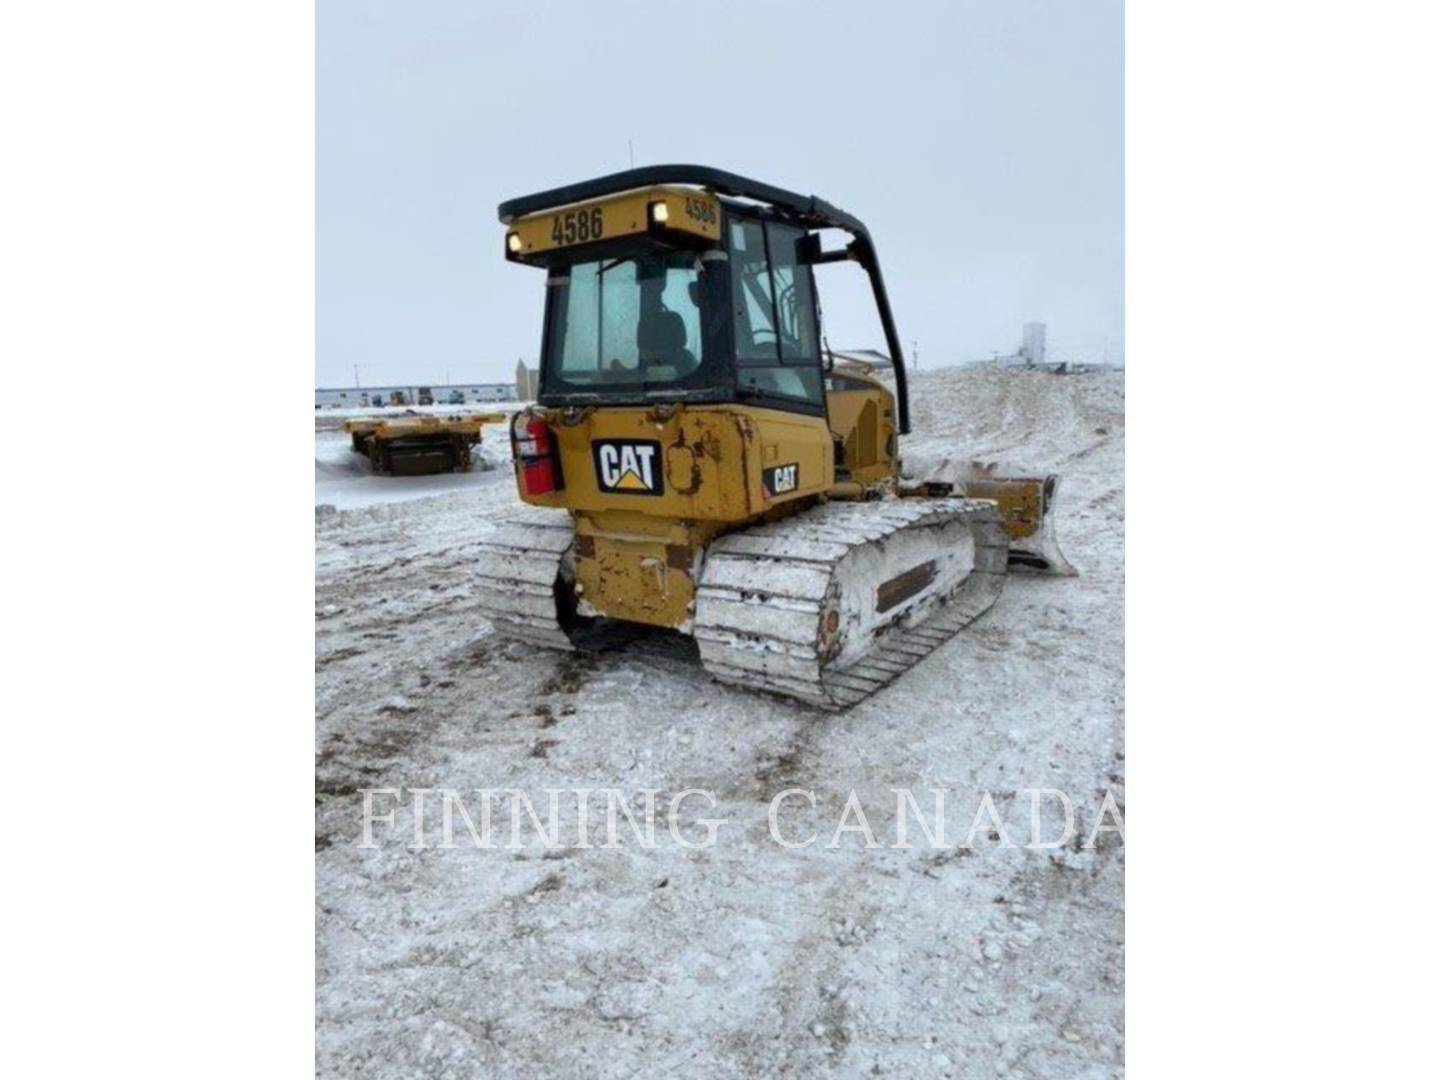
(779,479)
(628,466)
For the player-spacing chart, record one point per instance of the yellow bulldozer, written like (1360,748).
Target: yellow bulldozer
(698,460)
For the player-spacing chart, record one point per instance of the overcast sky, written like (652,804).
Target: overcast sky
(982,142)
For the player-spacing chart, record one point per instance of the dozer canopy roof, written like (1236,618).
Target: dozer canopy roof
(807,209)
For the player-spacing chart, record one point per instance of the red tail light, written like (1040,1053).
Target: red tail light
(537,459)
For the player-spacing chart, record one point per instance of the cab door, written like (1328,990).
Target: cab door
(776,328)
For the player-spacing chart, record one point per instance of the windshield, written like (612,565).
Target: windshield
(625,322)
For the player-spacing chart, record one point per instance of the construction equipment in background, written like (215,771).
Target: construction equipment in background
(698,461)
(419,445)
(424,396)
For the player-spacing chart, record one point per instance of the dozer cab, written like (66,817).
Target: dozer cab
(698,461)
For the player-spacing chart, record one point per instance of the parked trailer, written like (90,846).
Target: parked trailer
(417,445)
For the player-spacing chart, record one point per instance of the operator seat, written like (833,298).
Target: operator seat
(660,340)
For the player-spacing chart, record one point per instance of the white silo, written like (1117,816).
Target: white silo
(1032,347)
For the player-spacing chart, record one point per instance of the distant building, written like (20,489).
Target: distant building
(1033,343)
(1032,347)
(527,382)
(353,397)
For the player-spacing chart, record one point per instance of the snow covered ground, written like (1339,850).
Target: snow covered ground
(744,958)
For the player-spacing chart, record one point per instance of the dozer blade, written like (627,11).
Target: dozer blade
(832,604)
(1026,507)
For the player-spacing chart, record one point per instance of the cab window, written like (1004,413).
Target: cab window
(772,296)
(794,297)
(625,322)
(750,292)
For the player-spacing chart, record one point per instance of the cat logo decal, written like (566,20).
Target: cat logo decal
(781,479)
(628,466)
